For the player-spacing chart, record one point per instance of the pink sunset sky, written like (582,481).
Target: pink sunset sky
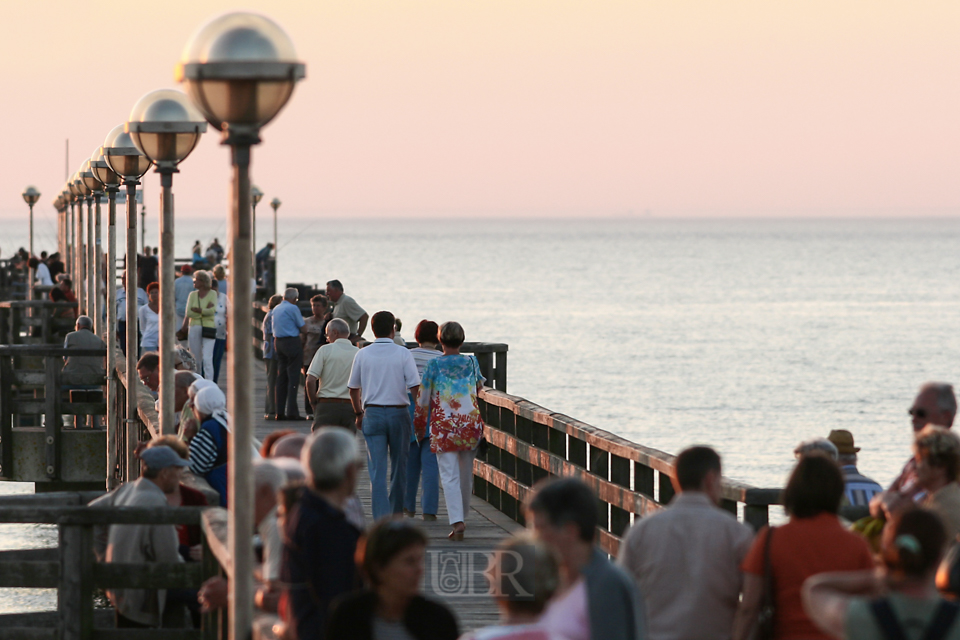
(522,107)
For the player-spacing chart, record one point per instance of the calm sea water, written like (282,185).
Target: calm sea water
(749,335)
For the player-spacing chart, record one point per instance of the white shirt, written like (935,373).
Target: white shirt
(383,371)
(43,274)
(149,327)
(122,302)
(220,316)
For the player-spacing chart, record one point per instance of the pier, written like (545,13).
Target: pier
(45,437)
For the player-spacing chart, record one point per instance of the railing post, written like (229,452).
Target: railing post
(76,590)
(6,417)
(53,423)
(500,375)
(756,515)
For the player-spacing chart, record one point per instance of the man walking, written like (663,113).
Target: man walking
(288,324)
(347,308)
(382,373)
(686,558)
(327,378)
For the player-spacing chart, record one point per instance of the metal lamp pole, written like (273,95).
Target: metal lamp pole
(166,127)
(127,162)
(255,197)
(226,69)
(30,196)
(275,203)
(111,183)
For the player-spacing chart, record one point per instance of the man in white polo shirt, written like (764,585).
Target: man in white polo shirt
(327,379)
(382,373)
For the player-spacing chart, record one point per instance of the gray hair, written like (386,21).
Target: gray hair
(327,456)
(946,400)
(267,474)
(291,294)
(821,445)
(84,322)
(204,278)
(340,326)
(183,379)
(847,458)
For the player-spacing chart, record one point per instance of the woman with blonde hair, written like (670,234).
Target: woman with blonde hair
(937,454)
(447,403)
(201,321)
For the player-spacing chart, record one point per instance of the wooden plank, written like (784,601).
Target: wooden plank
(148,634)
(214,522)
(101,515)
(151,575)
(75,593)
(6,417)
(30,574)
(38,407)
(29,633)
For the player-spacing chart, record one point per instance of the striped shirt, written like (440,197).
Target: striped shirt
(859,488)
(422,356)
(204,452)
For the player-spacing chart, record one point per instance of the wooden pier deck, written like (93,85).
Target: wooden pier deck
(448,563)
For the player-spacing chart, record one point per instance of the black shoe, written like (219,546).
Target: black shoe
(281,417)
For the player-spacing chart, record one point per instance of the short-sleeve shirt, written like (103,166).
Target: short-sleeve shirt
(315,338)
(914,615)
(331,366)
(802,548)
(383,372)
(268,335)
(287,320)
(348,309)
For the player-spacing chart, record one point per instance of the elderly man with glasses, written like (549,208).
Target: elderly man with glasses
(935,404)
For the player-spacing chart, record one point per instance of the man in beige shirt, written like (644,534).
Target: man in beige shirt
(346,308)
(327,378)
(686,558)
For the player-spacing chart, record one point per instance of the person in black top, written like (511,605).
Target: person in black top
(392,606)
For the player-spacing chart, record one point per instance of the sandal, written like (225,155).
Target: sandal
(457,534)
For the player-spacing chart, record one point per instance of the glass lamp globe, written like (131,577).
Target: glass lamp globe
(165,126)
(240,69)
(81,187)
(275,203)
(73,187)
(89,180)
(31,195)
(102,171)
(256,195)
(123,156)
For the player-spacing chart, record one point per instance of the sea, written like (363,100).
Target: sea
(749,335)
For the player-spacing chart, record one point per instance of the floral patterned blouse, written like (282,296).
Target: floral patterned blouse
(448,403)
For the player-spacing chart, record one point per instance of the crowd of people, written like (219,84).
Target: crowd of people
(689,570)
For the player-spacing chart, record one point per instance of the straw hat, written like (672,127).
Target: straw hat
(843,440)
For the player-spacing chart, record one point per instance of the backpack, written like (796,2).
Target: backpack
(939,627)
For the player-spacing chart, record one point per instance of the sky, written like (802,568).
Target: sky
(502,108)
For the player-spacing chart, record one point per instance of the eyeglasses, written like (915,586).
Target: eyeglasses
(917,413)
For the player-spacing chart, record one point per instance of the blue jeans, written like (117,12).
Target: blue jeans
(422,460)
(383,428)
(219,348)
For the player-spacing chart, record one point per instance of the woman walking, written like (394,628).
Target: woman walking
(200,317)
(447,405)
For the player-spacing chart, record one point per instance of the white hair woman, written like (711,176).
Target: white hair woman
(201,320)
(448,405)
(208,449)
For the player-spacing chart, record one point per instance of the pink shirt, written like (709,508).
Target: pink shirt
(566,616)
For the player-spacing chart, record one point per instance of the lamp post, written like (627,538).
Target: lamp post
(92,187)
(128,163)
(77,211)
(30,196)
(275,203)
(166,127)
(255,197)
(240,69)
(85,229)
(67,229)
(111,185)
(94,251)
(58,206)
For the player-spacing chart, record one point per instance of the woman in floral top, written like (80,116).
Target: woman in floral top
(448,404)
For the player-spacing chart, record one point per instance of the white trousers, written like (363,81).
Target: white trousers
(202,350)
(456,476)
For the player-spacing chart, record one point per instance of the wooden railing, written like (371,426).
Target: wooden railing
(32,385)
(74,571)
(528,443)
(36,321)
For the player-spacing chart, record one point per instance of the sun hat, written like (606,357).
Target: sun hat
(843,440)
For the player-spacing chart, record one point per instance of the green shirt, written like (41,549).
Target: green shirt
(206,317)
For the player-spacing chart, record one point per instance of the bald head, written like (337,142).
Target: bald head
(935,404)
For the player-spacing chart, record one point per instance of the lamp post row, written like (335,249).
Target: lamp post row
(239,70)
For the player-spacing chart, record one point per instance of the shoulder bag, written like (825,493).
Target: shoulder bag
(767,607)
